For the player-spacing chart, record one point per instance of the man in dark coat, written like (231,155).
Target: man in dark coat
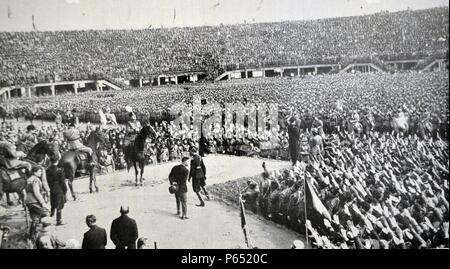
(96,237)
(179,175)
(294,138)
(198,175)
(124,231)
(58,189)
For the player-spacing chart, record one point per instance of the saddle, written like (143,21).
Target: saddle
(12,174)
(83,159)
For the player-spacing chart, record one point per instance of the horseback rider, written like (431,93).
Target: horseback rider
(132,129)
(73,138)
(9,156)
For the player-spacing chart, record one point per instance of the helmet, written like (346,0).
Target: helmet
(31,127)
(173,188)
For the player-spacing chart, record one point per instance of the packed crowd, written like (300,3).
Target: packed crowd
(377,192)
(31,57)
(331,98)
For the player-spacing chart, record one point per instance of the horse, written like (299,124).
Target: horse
(399,124)
(36,157)
(135,152)
(72,161)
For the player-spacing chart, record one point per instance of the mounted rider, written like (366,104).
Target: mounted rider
(9,156)
(132,128)
(73,138)
(107,118)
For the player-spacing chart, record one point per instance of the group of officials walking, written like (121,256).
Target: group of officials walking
(180,175)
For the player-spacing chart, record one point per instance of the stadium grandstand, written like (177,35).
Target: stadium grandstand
(34,63)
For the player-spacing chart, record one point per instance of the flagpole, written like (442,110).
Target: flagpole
(241,206)
(306,215)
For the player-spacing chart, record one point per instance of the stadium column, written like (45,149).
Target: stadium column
(52,88)
(75,88)
(315,70)
(176,79)
(140,82)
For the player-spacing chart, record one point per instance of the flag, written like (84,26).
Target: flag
(174,14)
(243,219)
(9,12)
(314,205)
(32,22)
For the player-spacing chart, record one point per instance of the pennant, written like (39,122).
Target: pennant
(313,202)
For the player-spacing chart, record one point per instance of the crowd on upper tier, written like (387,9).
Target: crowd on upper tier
(31,57)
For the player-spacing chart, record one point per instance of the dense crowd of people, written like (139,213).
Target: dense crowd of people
(369,151)
(31,57)
(378,188)
(330,98)
(380,191)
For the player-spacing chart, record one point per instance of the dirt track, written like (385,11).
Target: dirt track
(215,226)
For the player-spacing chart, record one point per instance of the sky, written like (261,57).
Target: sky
(54,15)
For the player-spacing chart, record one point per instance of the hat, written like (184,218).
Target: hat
(173,188)
(31,127)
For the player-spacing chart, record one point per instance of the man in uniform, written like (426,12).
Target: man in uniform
(316,143)
(72,135)
(9,157)
(132,129)
(198,175)
(179,174)
(294,137)
(250,196)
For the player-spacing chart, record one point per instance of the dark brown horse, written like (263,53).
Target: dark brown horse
(134,152)
(73,161)
(36,157)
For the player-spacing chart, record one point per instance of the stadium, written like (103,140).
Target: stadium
(326,133)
